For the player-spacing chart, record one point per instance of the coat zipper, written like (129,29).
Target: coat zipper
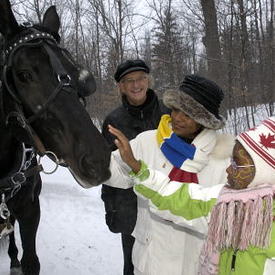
(233,262)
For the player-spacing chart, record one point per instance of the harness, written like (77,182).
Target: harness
(11,184)
(32,37)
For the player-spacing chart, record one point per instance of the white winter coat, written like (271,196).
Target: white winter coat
(161,247)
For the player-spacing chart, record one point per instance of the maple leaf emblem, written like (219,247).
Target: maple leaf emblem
(267,141)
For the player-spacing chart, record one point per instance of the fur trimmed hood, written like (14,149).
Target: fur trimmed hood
(185,103)
(224,146)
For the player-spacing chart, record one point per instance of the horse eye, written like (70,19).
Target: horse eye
(24,76)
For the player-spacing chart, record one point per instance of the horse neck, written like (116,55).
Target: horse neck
(8,148)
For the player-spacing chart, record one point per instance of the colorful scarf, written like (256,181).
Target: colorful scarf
(187,159)
(240,218)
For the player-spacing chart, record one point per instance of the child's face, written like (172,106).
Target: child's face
(242,170)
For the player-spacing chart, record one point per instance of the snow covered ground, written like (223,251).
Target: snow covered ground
(73,238)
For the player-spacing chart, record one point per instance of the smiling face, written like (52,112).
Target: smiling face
(134,86)
(183,125)
(242,170)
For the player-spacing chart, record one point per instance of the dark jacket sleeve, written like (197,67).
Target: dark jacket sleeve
(107,135)
(120,204)
(121,209)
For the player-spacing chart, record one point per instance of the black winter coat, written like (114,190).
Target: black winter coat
(121,204)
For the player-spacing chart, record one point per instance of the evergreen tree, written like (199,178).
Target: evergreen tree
(167,50)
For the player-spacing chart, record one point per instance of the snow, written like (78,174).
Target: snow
(239,123)
(73,238)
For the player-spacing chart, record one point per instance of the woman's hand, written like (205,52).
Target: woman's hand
(125,149)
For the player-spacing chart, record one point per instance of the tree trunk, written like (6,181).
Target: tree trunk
(211,41)
(272,59)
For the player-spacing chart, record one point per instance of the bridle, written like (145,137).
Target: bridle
(37,38)
(44,40)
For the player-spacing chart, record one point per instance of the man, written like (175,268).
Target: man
(140,111)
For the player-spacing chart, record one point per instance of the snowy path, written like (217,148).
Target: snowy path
(72,237)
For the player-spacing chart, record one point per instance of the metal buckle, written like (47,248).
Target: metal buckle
(4,211)
(18,178)
(64,79)
(18,117)
(27,24)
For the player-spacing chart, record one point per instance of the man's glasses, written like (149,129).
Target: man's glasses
(235,166)
(131,81)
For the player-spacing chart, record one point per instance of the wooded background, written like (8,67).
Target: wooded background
(230,41)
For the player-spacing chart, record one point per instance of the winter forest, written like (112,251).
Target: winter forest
(230,41)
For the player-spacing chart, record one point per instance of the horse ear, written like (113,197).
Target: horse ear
(51,20)
(8,23)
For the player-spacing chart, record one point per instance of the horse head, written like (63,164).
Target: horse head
(46,86)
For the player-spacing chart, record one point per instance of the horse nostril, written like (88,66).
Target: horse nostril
(87,165)
(93,168)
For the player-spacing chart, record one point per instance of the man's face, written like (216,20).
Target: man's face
(134,86)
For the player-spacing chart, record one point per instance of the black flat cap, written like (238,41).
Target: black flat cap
(129,66)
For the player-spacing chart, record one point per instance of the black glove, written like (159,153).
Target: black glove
(121,209)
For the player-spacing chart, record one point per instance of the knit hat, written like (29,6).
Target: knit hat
(259,142)
(130,66)
(199,98)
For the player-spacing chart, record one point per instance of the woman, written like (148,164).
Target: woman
(187,148)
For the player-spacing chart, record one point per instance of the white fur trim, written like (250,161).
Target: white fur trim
(224,146)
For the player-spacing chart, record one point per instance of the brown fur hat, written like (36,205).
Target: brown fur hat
(199,98)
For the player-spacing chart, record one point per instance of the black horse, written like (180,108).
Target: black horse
(41,111)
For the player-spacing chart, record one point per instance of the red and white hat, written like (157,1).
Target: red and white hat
(259,142)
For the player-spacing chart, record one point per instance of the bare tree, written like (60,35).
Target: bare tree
(211,40)
(232,42)
(271,97)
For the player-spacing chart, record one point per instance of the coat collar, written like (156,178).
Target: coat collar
(143,110)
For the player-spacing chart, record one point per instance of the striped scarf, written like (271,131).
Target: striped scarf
(187,159)
(240,218)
